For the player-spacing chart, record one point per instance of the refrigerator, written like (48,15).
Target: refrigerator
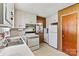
(53,35)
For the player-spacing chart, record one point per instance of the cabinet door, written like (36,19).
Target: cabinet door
(1,13)
(9,13)
(33,42)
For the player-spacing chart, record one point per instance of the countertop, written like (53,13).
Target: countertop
(17,50)
(24,36)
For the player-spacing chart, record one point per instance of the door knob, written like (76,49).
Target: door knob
(63,35)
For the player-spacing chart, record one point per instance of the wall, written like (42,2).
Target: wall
(51,19)
(21,18)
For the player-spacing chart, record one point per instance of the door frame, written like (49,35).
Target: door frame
(61,24)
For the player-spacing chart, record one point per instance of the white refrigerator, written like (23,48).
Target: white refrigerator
(53,35)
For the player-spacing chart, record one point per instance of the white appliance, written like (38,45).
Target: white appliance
(46,37)
(33,42)
(53,35)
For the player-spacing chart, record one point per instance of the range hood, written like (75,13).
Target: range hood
(4,26)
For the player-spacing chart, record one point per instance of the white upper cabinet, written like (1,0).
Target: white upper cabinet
(1,13)
(8,14)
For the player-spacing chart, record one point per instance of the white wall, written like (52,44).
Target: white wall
(21,18)
(51,19)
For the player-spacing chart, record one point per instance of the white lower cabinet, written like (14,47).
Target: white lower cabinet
(33,43)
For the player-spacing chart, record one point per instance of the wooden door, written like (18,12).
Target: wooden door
(69,34)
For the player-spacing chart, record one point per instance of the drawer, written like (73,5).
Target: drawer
(34,48)
(33,42)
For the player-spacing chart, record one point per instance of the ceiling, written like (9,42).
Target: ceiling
(41,9)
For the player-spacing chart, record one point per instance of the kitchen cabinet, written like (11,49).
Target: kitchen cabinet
(42,22)
(1,13)
(33,42)
(7,14)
